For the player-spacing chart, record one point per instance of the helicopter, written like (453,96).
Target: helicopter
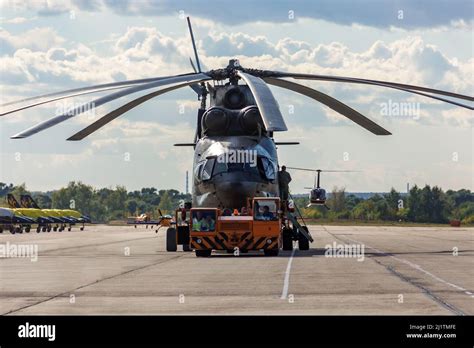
(317,195)
(238,115)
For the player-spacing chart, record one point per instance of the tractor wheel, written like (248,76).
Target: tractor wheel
(43,229)
(187,247)
(287,239)
(38,229)
(271,252)
(27,229)
(303,242)
(203,253)
(171,242)
(1,229)
(55,228)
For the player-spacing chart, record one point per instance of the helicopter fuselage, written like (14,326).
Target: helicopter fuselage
(230,169)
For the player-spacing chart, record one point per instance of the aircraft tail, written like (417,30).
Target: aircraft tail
(12,202)
(28,202)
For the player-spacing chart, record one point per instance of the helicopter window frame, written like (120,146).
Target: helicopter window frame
(208,168)
(198,171)
(268,168)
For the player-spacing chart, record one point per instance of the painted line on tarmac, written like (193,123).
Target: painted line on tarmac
(286,283)
(415,266)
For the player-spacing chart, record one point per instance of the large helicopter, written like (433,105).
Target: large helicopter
(317,195)
(241,118)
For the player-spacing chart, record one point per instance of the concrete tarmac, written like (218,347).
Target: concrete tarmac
(123,270)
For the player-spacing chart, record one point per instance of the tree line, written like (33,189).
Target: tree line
(425,205)
(105,204)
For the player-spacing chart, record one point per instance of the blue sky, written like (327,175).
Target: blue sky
(52,45)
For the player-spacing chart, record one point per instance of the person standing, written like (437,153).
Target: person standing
(284,179)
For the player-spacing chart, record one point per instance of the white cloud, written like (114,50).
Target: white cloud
(34,39)
(50,64)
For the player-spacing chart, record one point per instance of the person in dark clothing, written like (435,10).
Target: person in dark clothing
(284,179)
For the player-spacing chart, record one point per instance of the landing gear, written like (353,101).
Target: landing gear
(303,242)
(171,239)
(287,237)
(203,253)
(187,247)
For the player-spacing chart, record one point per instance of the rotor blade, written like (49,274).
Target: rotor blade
(269,110)
(194,44)
(371,82)
(78,91)
(332,103)
(100,101)
(324,170)
(120,111)
(192,65)
(196,88)
(58,98)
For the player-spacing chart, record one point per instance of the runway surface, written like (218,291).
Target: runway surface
(123,270)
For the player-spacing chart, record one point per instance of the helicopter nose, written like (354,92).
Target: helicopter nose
(234,194)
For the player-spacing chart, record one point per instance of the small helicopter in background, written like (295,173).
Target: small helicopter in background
(317,195)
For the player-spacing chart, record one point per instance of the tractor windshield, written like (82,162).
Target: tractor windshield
(204,220)
(265,210)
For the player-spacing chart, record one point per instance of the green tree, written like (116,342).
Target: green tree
(166,204)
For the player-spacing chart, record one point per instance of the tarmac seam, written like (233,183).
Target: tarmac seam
(425,290)
(93,283)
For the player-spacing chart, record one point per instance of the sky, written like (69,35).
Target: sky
(47,46)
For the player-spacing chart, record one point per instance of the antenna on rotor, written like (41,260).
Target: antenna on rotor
(194,44)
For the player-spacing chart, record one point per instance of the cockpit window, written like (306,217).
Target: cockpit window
(264,168)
